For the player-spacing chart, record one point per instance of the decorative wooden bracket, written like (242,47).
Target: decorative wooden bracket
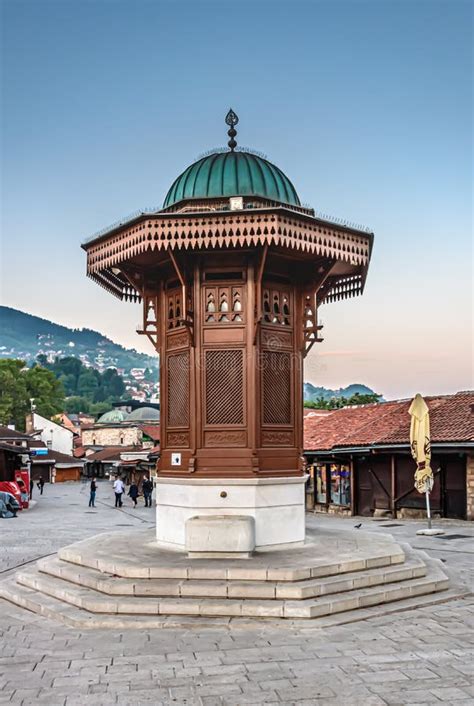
(310,323)
(150,319)
(188,321)
(311,328)
(149,326)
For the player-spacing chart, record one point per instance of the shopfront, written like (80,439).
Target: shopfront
(329,487)
(371,483)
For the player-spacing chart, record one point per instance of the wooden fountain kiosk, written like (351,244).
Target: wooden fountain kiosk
(231,273)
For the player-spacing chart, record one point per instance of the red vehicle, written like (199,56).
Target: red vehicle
(12,487)
(22,478)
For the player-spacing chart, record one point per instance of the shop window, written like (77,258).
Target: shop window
(340,484)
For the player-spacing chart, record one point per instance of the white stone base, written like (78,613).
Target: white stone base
(277,506)
(220,536)
(430,532)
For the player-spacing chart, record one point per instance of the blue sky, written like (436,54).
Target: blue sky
(365,105)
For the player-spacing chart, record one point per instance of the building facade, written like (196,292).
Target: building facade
(55,436)
(360,461)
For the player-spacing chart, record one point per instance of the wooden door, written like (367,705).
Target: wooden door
(364,491)
(453,471)
(373,484)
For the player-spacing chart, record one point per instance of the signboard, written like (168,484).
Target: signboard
(39,452)
(176,459)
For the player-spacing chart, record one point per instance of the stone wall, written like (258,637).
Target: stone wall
(112,436)
(470,487)
(342,511)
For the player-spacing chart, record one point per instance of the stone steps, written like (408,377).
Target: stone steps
(336,577)
(310,561)
(67,614)
(94,602)
(413,567)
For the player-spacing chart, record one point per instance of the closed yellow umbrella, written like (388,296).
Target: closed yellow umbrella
(420,443)
(421,451)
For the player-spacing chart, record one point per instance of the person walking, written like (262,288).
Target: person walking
(118,490)
(147,490)
(41,484)
(93,491)
(133,493)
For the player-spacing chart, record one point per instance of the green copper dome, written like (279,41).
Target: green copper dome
(232,174)
(113,417)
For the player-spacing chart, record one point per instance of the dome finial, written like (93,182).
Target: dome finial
(232,119)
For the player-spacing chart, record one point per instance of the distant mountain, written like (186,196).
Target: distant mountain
(312,393)
(25,336)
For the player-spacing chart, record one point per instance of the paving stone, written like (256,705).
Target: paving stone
(259,697)
(252,656)
(449,694)
(408,697)
(305,692)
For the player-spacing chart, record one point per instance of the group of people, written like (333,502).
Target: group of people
(119,490)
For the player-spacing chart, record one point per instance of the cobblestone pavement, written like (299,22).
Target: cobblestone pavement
(423,656)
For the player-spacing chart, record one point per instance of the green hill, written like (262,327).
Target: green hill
(25,336)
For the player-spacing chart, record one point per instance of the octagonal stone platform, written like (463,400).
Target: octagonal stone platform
(124,579)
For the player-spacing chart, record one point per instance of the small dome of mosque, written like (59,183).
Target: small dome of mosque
(113,417)
(144,414)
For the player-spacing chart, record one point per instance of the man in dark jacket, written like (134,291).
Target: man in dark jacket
(93,492)
(133,493)
(147,490)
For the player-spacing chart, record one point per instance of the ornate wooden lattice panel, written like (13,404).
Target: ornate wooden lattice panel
(276,387)
(178,389)
(224,387)
(223,305)
(276,307)
(175,313)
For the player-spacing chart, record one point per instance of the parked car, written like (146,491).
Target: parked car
(9,505)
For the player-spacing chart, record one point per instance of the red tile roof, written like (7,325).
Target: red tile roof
(385,423)
(5,446)
(151,430)
(113,453)
(6,433)
(63,458)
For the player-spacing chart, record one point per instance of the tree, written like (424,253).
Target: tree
(46,389)
(99,408)
(18,384)
(113,384)
(369,398)
(85,387)
(76,405)
(88,383)
(338,402)
(14,401)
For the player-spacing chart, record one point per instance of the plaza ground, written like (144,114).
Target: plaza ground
(418,656)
